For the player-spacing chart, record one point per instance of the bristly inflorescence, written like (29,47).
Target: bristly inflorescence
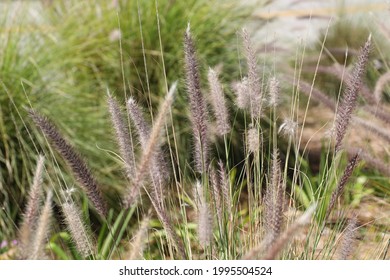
(219,103)
(123,136)
(73,159)
(350,97)
(31,214)
(198,108)
(343,181)
(254,93)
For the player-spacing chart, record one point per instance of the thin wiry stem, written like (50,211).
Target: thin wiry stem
(197,105)
(75,162)
(349,101)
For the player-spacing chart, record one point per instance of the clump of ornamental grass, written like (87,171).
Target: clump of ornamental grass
(230,213)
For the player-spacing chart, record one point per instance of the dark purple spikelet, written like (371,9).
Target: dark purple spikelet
(197,104)
(79,168)
(349,101)
(343,181)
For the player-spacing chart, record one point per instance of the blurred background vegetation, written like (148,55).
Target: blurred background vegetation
(64,59)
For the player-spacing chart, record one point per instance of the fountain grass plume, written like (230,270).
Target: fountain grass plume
(205,221)
(122,136)
(218,103)
(349,101)
(31,214)
(36,250)
(254,81)
(159,171)
(348,241)
(197,103)
(77,228)
(274,199)
(149,150)
(73,159)
(342,183)
(216,194)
